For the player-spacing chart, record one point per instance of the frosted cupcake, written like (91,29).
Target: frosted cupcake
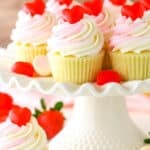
(19,130)
(105,20)
(75,50)
(131,45)
(33,28)
(27,137)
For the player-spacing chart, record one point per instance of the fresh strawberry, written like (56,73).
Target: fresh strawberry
(74,14)
(52,120)
(6,104)
(67,2)
(107,76)
(35,7)
(133,11)
(3,114)
(118,2)
(20,115)
(93,7)
(23,68)
(6,101)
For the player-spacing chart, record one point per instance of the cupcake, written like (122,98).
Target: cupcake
(130,42)
(105,20)
(33,28)
(75,48)
(19,130)
(27,137)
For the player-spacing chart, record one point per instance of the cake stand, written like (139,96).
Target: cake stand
(99,121)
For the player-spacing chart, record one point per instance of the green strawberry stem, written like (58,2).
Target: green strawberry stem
(147,141)
(37,113)
(43,105)
(58,106)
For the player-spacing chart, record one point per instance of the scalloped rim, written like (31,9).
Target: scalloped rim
(49,86)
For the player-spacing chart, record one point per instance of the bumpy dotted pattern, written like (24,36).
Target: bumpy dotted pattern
(76,139)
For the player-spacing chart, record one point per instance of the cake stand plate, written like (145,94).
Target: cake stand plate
(47,85)
(100,120)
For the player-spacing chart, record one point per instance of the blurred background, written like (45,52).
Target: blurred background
(8,16)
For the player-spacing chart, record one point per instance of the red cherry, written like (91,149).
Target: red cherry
(107,76)
(6,101)
(93,7)
(146,4)
(67,2)
(3,114)
(74,14)
(51,121)
(20,116)
(23,68)
(118,2)
(133,11)
(35,7)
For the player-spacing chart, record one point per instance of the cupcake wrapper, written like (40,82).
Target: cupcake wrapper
(131,66)
(106,62)
(27,53)
(76,70)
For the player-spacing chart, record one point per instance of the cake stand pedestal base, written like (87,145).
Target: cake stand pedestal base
(99,123)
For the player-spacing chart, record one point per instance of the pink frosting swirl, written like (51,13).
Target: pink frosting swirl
(131,35)
(33,29)
(28,137)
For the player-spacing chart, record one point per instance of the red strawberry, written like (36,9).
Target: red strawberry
(93,7)
(23,68)
(20,116)
(118,2)
(3,114)
(67,2)
(35,7)
(107,76)
(146,4)
(133,11)
(6,101)
(52,121)
(6,104)
(74,14)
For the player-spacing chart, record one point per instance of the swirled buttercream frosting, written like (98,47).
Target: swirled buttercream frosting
(80,39)
(131,36)
(28,137)
(33,29)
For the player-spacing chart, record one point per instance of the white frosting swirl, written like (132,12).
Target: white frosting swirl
(80,39)
(28,137)
(131,35)
(54,7)
(33,29)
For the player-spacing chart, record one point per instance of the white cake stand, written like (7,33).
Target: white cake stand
(100,120)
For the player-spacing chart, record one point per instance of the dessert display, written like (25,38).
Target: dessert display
(33,28)
(60,49)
